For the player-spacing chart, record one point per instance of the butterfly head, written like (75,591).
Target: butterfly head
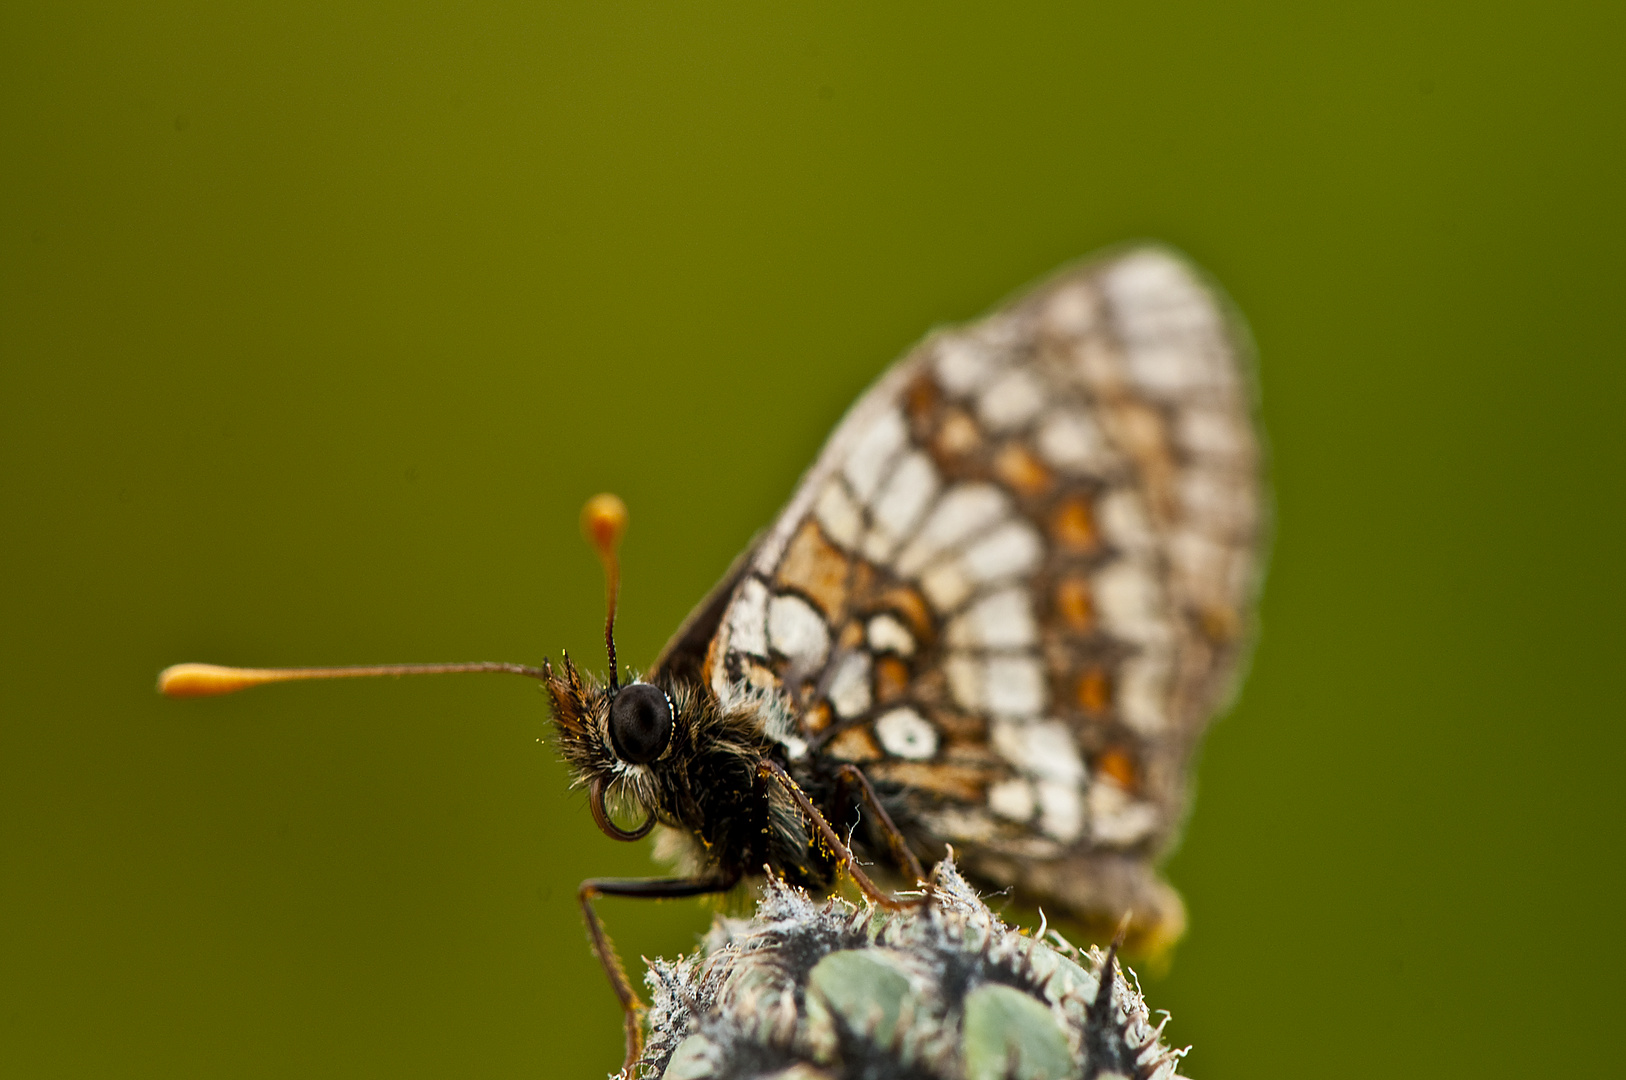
(618,740)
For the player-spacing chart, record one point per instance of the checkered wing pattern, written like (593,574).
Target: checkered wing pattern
(1017,582)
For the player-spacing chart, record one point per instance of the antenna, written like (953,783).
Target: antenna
(210,680)
(604,520)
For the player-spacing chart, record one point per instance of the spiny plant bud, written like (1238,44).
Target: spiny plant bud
(831,991)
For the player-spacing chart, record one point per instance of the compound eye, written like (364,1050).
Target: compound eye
(640,723)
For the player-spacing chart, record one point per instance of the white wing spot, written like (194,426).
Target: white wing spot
(965,681)
(1001,620)
(797,631)
(838,514)
(849,687)
(1013,685)
(1014,548)
(1071,311)
(1127,598)
(1043,749)
(958,823)
(906,734)
(1123,520)
(887,634)
(946,585)
(1061,810)
(1115,821)
(1171,365)
(1011,799)
(1215,435)
(962,365)
(963,511)
(1173,343)
(1012,401)
(898,507)
(747,619)
(873,451)
(1071,441)
(1142,691)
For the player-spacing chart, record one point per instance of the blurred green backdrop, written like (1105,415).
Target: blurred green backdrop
(318,321)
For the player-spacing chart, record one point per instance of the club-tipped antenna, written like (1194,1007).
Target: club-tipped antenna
(210,680)
(604,520)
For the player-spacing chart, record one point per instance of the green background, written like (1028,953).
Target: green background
(318,322)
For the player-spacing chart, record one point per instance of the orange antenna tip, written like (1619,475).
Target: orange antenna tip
(208,680)
(604,520)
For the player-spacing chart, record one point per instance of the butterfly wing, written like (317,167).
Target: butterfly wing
(1018,582)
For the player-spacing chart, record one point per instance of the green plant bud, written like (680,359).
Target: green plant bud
(826,990)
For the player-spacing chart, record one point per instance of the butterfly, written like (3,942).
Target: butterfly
(995,617)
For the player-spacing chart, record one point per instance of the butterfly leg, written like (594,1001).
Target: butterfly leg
(651,888)
(850,775)
(873,892)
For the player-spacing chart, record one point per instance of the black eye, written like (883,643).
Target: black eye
(640,723)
